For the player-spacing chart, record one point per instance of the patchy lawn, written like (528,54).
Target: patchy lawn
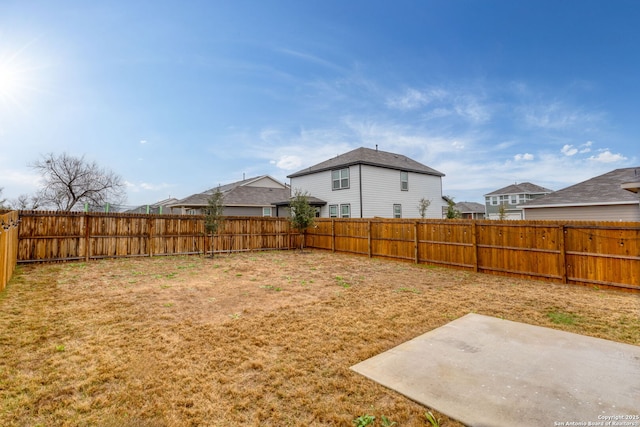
(248,339)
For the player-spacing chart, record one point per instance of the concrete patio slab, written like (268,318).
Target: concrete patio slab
(485,371)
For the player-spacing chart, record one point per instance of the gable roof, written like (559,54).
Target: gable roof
(605,189)
(522,188)
(240,193)
(367,156)
(469,207)
(162,203)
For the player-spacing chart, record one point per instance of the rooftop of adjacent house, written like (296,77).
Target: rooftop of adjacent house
(603,189)
(248,192)
(522,188)
(162,203)
(368,156)
(469,207)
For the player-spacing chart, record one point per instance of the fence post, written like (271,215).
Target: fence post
(333,235)
(563,254)
(369,238)
(150,225)
(416,242)
(474,242)
(87,226)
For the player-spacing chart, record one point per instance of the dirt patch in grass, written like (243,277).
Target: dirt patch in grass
(248,339)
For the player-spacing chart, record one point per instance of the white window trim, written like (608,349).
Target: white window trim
(341,177)
(337,208)
(399,206)
(264,209)
(403,182)
(348,206)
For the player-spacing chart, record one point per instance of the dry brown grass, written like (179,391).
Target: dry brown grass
(248,339)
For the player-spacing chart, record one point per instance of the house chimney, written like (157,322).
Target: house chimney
(376,147)
(243,177)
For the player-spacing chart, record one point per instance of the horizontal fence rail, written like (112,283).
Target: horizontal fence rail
(603,254)
(9,222)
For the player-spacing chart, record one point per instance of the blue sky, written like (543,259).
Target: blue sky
(180,96)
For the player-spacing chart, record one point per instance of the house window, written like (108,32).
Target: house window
(514,199)
(404,181)
(333,211)
(397,211)
(340,179)
(345,211)
(266,211)
(494,200)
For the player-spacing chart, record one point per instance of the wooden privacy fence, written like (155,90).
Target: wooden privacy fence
(603,254)
(65,236)
(8,246)
(588,253)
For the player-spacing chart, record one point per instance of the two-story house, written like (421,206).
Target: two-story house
(506,202)
(367,183)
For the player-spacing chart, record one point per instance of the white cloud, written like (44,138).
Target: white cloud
(607,156)
(586,147)
(143,141)
(413,98)
(525,156)
(469,108)
(132,186)
(410,100)
(569,150)
(557,116)
(457,145)
(289,162)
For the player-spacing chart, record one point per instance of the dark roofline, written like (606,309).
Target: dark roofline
(357,157)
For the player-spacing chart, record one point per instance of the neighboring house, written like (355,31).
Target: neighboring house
(608,197)
(161,207)
(367,183)
(257,196)
(470,210)
(509,200)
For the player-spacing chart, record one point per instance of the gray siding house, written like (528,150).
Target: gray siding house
(258,196)
(511,198)
(608,197)
(367,183)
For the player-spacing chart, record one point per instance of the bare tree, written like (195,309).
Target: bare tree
(2,201)
(502,211)
(26,202)
(69,181)
(423,205)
